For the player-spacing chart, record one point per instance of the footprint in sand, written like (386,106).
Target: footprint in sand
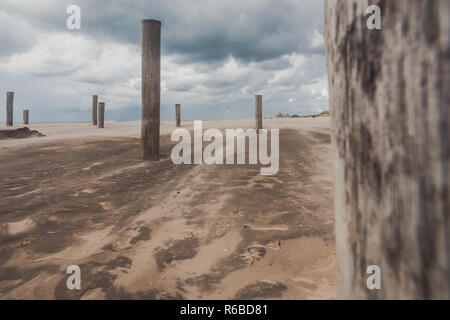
(254,253)
(23,226)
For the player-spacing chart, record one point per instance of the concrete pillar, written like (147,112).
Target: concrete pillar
(178,115)
(390,116)
(151,67)
(26,116)
(9,108)
(258,112)
(101,114)
(94,109)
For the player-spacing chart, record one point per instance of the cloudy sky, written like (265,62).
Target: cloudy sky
(216,55)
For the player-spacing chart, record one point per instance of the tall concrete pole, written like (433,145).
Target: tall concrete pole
(94,109)
(151,67)
(390,98)
(101,114)
(178,115)
(258,112)
(9,108)
(26,116)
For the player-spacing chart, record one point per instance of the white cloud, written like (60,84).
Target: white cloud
(316,40)
(64,68)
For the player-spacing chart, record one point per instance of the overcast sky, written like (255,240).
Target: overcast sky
(216,55)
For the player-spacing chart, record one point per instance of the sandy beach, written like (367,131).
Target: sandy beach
(156,230)
(334,184)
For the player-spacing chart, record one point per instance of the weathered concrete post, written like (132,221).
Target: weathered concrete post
(101,114)
(390,114)
(258,112)
(9,108)
(94,109)
(26,116)
(178,115)
(151,66)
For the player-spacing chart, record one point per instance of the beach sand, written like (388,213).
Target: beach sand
(143,230)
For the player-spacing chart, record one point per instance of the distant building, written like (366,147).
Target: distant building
(282,115)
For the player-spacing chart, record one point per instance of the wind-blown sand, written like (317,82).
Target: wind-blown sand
(142,230)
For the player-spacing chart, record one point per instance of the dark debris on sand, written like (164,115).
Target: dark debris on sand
(20,133)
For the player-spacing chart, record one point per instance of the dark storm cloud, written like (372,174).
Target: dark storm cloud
(216,56)
(251,30)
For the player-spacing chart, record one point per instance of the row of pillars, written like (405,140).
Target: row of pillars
(98,114)
(151,71)
(10,111)
(258,113)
